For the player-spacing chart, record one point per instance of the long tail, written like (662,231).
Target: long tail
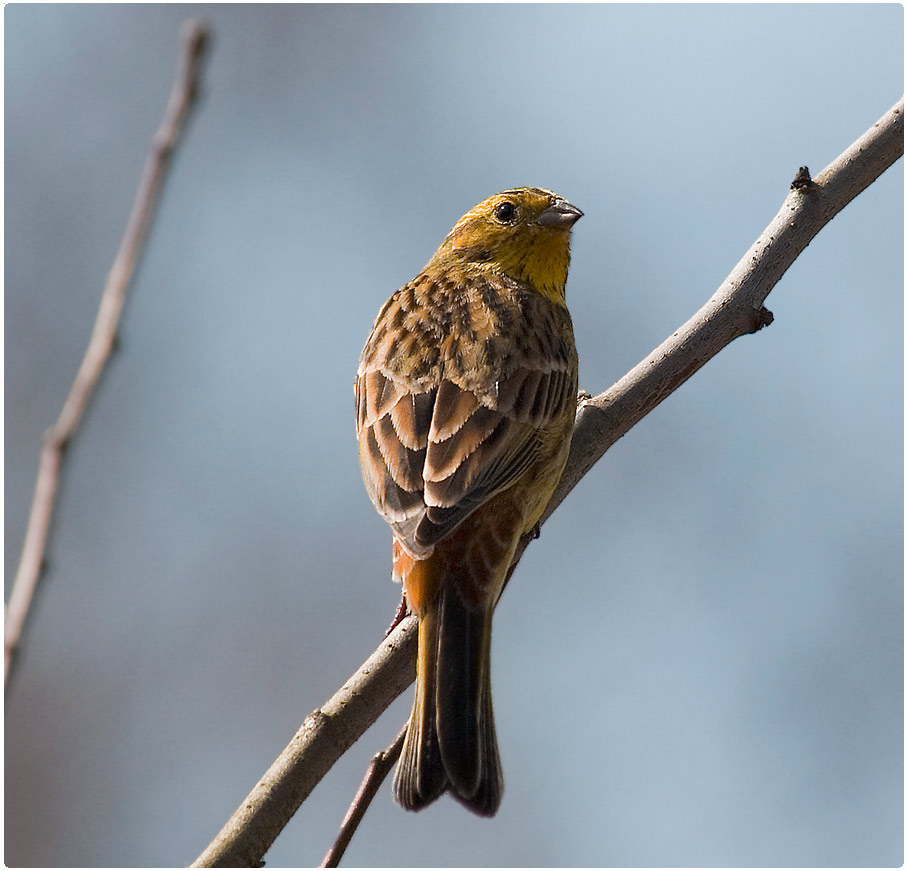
(451,738)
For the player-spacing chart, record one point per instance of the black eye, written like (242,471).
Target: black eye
(505,212)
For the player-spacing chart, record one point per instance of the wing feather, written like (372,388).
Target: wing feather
(409,416)
(445,455)
(453,408)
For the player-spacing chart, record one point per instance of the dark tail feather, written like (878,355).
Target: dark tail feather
(459,684)
(488,795)
(420,776)
(451,738)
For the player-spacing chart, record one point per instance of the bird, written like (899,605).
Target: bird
(465,403)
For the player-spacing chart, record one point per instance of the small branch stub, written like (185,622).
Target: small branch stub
(802,179)
(764,318)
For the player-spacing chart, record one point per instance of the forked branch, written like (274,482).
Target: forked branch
(736,309)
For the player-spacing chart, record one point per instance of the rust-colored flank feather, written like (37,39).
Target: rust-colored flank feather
(465,399)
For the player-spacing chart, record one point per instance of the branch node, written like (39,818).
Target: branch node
(56,439)
(802,180)
(763,317)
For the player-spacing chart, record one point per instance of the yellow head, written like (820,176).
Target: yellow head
(523,233)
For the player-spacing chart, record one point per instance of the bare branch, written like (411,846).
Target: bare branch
(736,309)
(181,99)
(375,776)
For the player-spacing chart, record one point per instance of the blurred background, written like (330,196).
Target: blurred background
(699,663)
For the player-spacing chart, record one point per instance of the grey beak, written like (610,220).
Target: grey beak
(561,214)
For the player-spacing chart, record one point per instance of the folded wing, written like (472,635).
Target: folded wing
(432,456)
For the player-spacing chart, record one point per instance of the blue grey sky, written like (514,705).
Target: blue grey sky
(699,662)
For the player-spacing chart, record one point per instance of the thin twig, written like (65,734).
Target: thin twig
(736,309)
(376,772)
(182,97)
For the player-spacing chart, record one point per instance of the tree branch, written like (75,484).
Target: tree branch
(736,309)
(56,439)
(379,767)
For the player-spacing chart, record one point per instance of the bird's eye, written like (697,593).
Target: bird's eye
(505,212)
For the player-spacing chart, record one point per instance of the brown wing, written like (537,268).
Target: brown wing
(430,458)
(435,442)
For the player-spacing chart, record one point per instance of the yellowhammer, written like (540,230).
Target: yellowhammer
(465,398)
